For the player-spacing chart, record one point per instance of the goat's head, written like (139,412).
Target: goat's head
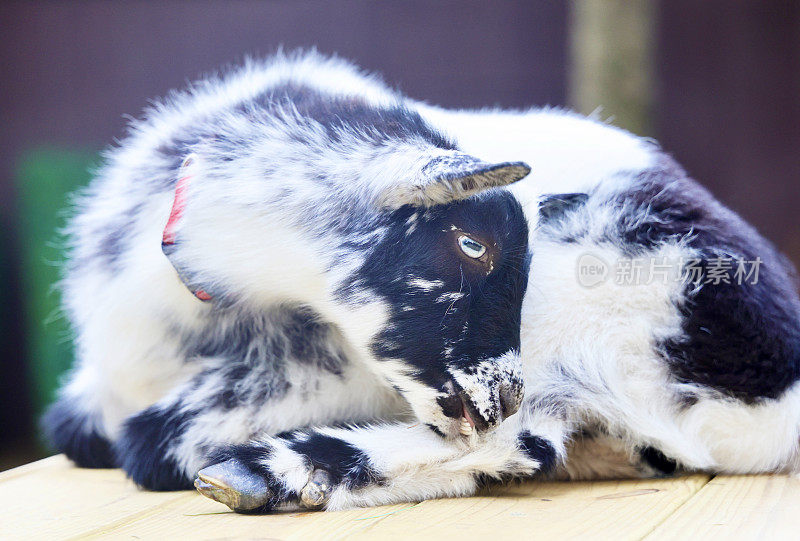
(447,256)
(453,276)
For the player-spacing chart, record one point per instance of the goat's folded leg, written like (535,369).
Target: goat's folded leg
(163,446)
(339,468)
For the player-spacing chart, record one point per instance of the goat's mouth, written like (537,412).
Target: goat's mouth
(457,405)
(467,425)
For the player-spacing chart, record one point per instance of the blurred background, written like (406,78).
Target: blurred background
(717,82)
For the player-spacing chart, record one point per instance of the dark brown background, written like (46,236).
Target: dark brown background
(727,80)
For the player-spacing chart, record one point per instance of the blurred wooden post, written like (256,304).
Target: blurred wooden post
(611,68)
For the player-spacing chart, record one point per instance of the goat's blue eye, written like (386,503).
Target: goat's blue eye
(472,248)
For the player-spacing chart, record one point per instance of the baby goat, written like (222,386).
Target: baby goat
(281,249)
(336,321)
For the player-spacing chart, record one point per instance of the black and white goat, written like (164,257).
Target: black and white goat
(303,286)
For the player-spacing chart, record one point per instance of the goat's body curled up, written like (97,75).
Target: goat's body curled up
(294,287)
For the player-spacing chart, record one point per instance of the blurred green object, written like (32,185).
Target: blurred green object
(45,180)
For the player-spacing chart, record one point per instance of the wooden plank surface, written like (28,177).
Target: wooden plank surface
(613,509)
(51,499)
(738,507)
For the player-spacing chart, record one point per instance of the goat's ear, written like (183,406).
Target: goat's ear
(173,236)
(451,177)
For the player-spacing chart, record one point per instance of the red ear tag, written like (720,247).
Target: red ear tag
(202,295)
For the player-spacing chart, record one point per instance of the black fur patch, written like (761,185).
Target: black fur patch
(143,446)
(271,339)
(451,405)
(436,430)
(259,347)
(740,339)
(345,463)
(553,207)
(485,322)
(73,434)
(658,461)
(351,115)
(539,449)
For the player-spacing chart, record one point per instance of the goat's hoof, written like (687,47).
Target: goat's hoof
(317,491)
(232,484)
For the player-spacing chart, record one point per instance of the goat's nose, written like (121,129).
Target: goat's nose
(510,399)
